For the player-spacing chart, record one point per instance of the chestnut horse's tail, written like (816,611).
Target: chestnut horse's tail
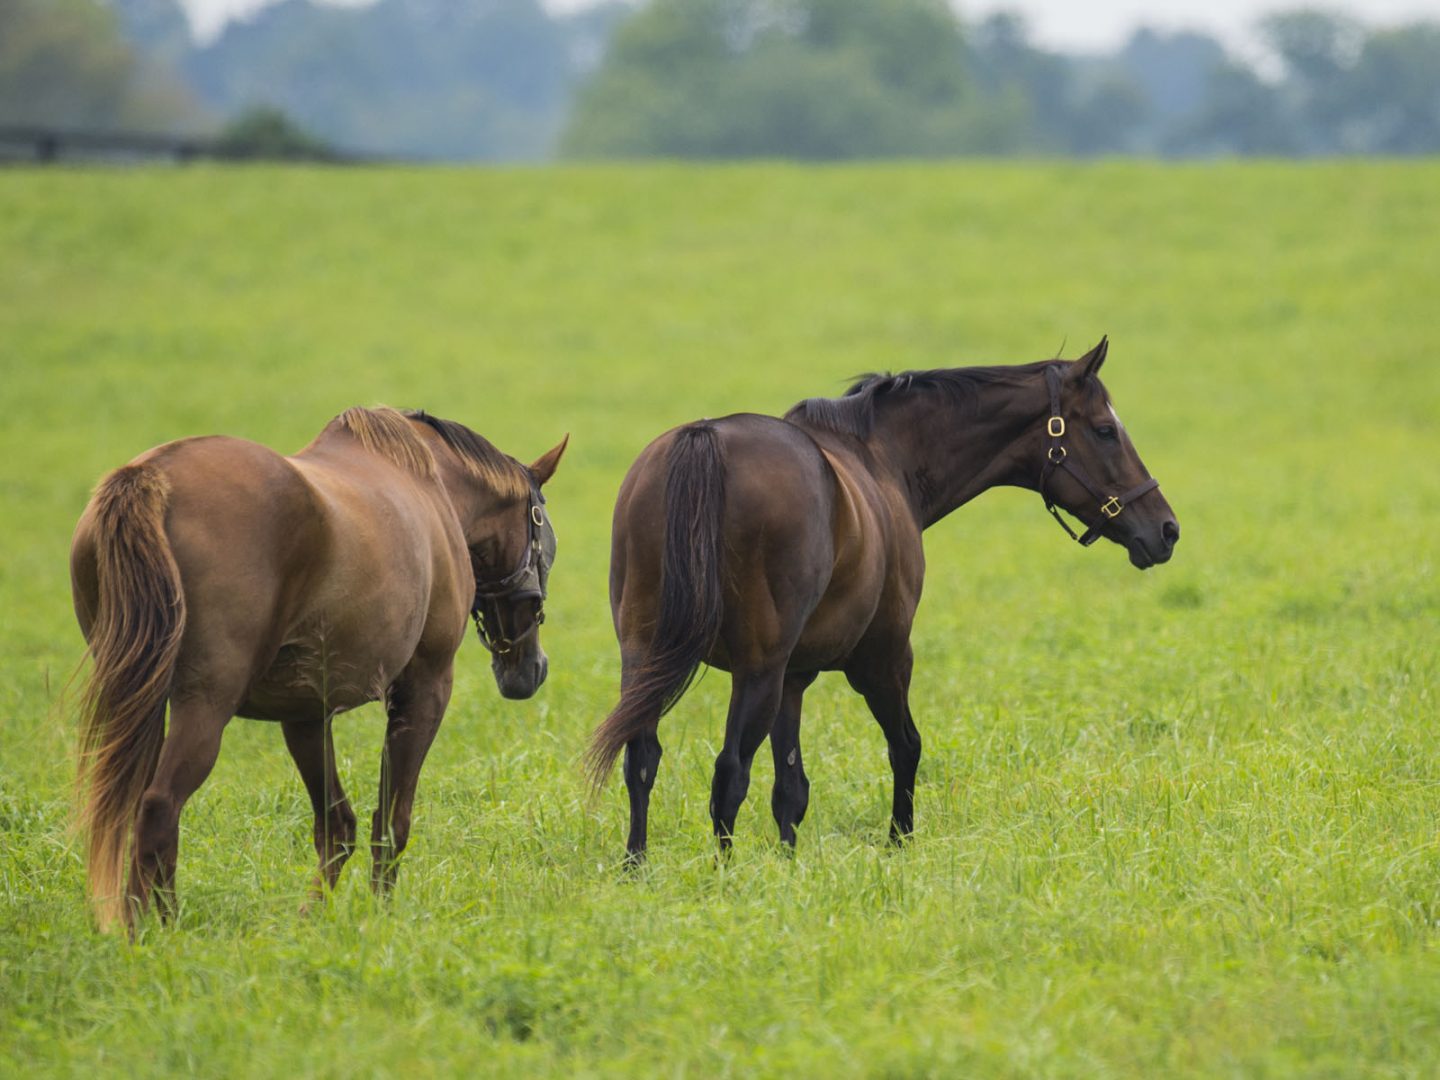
(691,596)
(138,623)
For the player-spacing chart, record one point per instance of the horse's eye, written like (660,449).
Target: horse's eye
(1106,431)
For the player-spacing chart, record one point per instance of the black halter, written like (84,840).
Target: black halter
(1056,457)
(528,579)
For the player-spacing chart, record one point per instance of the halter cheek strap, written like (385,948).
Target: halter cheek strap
(524,580)
(1057,457)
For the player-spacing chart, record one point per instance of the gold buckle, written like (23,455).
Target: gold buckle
(1111,507)
(1056,427)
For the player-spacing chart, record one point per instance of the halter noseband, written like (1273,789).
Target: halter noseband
(527,579)
(1056,457)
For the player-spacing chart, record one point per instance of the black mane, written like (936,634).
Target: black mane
(854,413)
(479,453)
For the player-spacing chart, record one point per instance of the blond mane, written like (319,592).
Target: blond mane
(390,434)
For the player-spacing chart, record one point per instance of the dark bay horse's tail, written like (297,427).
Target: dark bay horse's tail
(138,623)
(691,596)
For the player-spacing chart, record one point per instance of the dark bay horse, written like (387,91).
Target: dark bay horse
(776,549)
(221,578)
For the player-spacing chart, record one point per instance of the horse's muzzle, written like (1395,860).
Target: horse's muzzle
(1156,547)
(520,680)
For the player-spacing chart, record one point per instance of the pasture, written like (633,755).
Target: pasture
(1185,822)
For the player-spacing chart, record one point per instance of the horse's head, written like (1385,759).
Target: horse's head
(1091,468)
(512,571)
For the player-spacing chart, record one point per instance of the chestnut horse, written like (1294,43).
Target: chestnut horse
(777,549)
(216,576)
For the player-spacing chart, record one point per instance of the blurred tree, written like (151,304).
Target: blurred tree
(427,78)
(1392,99)
(817,79)
(1037,84)
(1315,50)
(1172,71)
(1314,46)
(1242,114)
(64,63)
(1108,117)
(267,133)
(156,28)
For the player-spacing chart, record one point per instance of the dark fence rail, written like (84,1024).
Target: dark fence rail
(25,142)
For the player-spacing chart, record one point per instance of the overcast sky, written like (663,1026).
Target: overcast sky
(1069,24)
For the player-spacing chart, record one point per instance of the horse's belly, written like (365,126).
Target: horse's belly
(308,682)
(829,638)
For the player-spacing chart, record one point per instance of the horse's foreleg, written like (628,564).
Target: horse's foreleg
(415,704)
(887,692)
(191,746)
(311,746)
(791,794)
(754,701)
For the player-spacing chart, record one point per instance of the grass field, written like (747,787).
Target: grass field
(1171,824)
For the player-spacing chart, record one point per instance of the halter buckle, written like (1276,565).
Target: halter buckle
(1057,454)
(536,515)
(1056,427)
(1111,507)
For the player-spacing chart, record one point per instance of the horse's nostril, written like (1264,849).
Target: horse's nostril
(1170,531)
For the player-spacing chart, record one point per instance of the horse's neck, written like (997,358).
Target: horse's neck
(944,454)
(483,513)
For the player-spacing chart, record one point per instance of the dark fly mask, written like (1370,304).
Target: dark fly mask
(496,600)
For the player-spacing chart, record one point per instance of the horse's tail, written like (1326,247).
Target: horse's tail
(691,596)
(134,640)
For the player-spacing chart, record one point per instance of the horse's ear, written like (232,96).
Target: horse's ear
(1088,366)
(545,465)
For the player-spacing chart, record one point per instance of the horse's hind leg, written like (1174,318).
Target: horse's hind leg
(311,746)
(416,704)
(186,758)
(642,759)
(887,691)
(791,794)
(754,701)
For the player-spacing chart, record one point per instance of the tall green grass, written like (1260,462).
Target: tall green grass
(1178,823)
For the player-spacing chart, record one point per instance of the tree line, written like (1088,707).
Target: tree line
(801,79)
(830,79)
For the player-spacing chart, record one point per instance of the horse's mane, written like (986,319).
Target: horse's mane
(480,456)
(854,413)
(391,434)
